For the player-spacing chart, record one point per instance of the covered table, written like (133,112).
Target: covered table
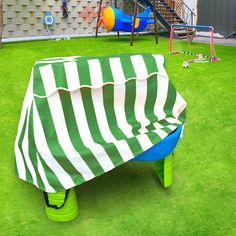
(84,116)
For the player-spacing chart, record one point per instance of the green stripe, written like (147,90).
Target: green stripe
(110,148)
(166,123)
(170,130)
(51,177)
(151,100)
(32,150)
(150,63)
(182,116)
(166,129)
(108,99)
(52,140)
(127,67)
(152,84)
(150,104)
(130,95)
(83,71)
(74,134)
(28,174)
(130,100)
(59,74)
(38,82)
(106,70)
(170,100)
(154,137)
(15,166)
(130,113)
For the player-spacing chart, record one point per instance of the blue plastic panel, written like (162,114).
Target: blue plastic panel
(162,149)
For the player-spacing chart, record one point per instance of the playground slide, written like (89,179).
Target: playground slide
(161,19)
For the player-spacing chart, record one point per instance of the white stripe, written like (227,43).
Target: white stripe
(162,92)
(18,156)
(45,153)
(182,131)
(144,141)
(73,81)
(119,107)
(179,105)
(48,79)
(139,67)
(48,187)
(124,149)
(160,64)
(173,120)
(119,101)
(25,149)
(85,134)
(141,91)
(139,107)
(57,113)
(117,71)
(64,139)
(121,146)
(171,127)
(159,126)
(97,97)
(95,73)
(72,75)
(19,159)
(140,99)
(163,83)
(119,97)
(159,131)
(56,60)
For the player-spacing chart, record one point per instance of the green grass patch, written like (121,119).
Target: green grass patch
(129,200)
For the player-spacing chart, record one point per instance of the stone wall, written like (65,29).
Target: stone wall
(24,18)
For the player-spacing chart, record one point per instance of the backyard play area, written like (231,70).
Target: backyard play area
(130,200)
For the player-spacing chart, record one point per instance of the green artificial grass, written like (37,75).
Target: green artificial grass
(130,200)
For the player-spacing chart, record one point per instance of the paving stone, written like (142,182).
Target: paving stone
(24,15)
(9,2)
(10,14)
(25,27)
(17,21)
(32,8)
(24,2)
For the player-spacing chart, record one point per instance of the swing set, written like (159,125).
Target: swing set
(115,20)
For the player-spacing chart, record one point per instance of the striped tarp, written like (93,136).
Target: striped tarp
(84,116)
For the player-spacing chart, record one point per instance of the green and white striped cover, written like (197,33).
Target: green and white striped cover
(84,116)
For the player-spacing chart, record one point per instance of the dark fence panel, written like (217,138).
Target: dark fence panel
(219,13)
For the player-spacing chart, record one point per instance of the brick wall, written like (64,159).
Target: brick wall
(24,18)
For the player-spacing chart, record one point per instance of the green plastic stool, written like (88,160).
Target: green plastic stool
(61,206)
(164,170)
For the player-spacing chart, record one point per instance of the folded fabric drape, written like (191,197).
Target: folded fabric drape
(84,116)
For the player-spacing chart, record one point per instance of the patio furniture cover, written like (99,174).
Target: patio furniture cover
(84,116)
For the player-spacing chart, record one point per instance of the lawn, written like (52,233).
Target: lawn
(129,200)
